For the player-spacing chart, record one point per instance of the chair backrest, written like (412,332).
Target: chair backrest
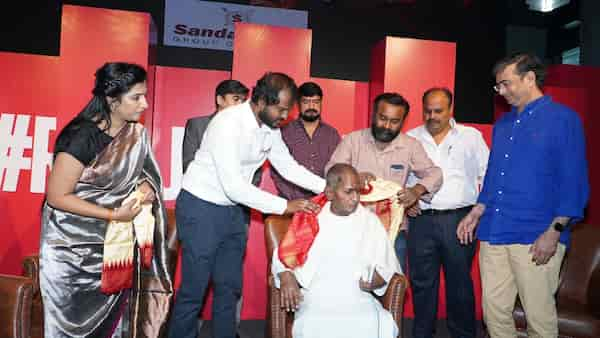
(31,269)
(275,229)
(583,258)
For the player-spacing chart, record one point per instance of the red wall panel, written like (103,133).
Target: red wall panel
(411,66)
(261,48)
(343,103)
(362,106)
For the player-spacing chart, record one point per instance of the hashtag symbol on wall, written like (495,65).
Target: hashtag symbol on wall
(13,142)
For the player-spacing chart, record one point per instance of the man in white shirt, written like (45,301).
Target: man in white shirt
(462,154)
(210,220)
(350,257)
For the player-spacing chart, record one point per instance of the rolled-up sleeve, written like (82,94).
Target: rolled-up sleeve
(572,167)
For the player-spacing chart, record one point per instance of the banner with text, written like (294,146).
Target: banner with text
(210,25)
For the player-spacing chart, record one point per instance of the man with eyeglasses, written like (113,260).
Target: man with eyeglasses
(535,187)
(310,140)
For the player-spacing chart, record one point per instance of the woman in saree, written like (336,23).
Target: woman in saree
(104,269)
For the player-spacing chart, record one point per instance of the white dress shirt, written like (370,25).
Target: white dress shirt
(234,146)
(463,157)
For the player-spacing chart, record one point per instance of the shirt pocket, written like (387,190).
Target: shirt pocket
(398,171)
(457,157)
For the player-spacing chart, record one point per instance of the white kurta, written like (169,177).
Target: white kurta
(343,251)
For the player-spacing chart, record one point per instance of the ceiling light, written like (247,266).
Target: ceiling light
(545,5)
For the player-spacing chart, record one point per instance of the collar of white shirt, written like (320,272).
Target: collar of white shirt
(250,123)
(424,134)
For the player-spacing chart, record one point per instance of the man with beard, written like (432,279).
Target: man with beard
(211,224)
(383,151)
(310,140)
(462,154)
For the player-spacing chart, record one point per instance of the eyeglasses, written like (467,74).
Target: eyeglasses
(499,85)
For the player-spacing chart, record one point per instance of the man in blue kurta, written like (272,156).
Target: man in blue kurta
(535,188)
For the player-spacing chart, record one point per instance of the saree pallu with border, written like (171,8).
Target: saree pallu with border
(71,252)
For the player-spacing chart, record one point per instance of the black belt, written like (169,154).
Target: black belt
(435,212)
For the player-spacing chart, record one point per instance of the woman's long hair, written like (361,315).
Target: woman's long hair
(113,79)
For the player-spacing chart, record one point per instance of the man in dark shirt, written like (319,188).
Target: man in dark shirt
(535,187)
(310,140)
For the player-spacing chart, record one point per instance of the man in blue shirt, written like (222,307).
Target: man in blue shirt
(535,187)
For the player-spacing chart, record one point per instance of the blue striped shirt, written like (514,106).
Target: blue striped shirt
(537,171)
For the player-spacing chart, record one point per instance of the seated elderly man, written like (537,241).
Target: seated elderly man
(350,258)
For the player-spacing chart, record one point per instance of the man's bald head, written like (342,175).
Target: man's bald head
(343,189)
(335,174)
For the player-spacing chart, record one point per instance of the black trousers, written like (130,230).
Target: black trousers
(432,243)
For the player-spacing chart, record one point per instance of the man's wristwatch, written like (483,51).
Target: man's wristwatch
(559,227)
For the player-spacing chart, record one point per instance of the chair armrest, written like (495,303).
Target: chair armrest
(277,317)
(393,299)
(31,267)
(16,294)
(593,293)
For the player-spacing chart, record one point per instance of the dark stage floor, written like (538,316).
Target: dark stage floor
(256,329)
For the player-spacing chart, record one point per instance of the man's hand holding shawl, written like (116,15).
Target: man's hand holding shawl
(382,195)
(300,235)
